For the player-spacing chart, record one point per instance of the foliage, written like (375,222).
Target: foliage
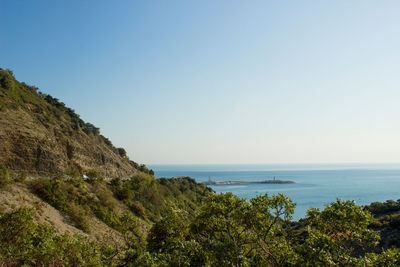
(337,232)
(230,231)
(144,169)
(80,200)
(122,152)
(150,198)
(79,216)
(379,209)
(168,232)
(143,195)
(66,197)
(390,257)
(137,208)
(226,231)
(23,242)
(195,227)
(93,177)
(73,173)
(387,222)
(235,232)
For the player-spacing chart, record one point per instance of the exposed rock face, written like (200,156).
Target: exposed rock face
(39,137)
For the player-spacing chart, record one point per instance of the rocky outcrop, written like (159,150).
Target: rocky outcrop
(39,138)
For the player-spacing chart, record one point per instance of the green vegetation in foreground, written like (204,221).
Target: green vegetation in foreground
(189,225)
(26,243)
(229,231)
(387,222)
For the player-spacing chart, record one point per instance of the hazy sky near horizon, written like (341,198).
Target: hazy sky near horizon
(219,81)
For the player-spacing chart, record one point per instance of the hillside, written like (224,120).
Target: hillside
(40,135)
(76,222)
(19,195)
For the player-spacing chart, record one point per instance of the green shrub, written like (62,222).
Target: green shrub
(93,177)
(138,209)
(65,197)
(73,173)
(53,191)
(108,215)
(124,193)
(149,198)
(122,152)
(25,243)
(105,196)
(92,174)
(79,217)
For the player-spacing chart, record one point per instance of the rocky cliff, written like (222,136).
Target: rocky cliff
(40,135)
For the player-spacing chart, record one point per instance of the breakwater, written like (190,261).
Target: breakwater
(248,182)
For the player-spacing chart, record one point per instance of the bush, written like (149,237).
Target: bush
(73,173)
(79,217)
(105,196)
(149,198)
(53,191)
(92,174)
(138,209)
(25,243)
(93,177)
(108,215)
(121,152)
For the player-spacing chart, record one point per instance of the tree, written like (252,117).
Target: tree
(167,233)
(337,233)
(11,72)
(122,152)
(232,231)
(93,176)
(268,219)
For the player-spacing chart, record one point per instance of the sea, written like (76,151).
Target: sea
(316,185)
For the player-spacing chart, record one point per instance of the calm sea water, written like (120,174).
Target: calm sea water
(315,185)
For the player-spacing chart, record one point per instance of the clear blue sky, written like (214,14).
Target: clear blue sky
(219,81)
